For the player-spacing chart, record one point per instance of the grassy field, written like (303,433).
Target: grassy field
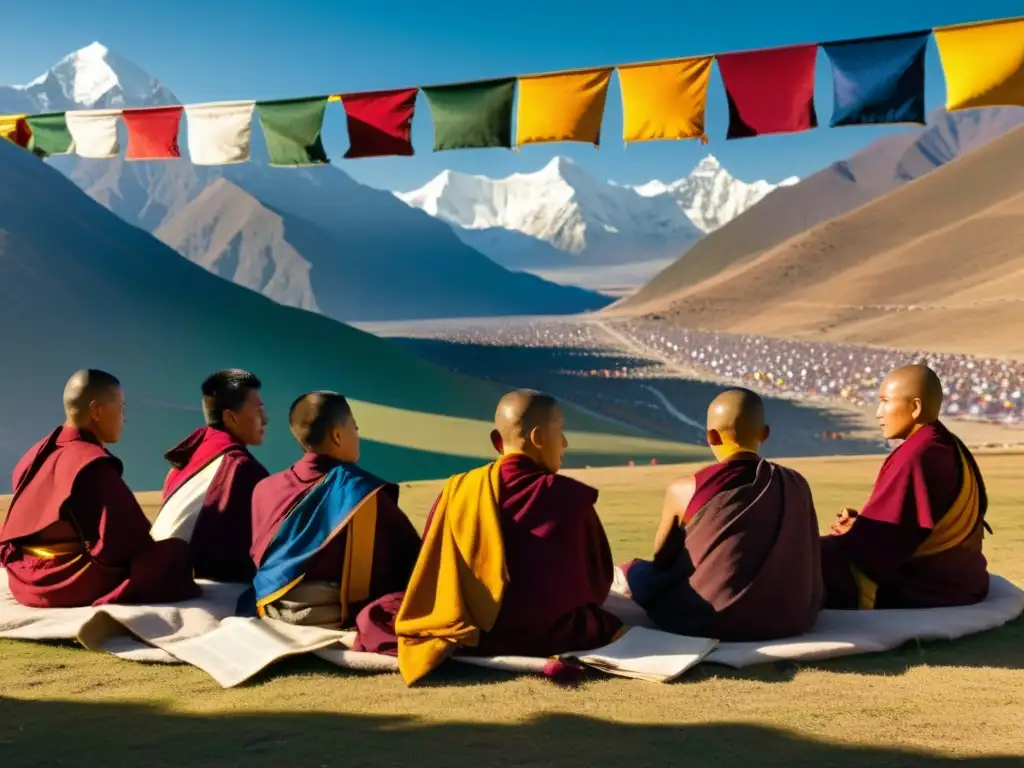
(916,706)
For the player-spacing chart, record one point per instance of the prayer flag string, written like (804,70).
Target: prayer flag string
(877,80)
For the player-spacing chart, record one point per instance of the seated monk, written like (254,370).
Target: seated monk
(328,537)
(207,499)
(74,534)
(916,543)
(736,556)
(514,558)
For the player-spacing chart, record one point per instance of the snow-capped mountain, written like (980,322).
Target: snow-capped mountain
(711,196)
(91,77)
(559,216)
(312,238)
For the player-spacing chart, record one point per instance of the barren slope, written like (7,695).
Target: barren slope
(937,264)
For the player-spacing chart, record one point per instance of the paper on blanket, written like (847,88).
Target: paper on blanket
(647,654)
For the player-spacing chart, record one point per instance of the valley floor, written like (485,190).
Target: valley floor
(961,702)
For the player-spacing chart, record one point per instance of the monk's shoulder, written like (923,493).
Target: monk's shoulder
(932,450)
(245,464)
(571,490)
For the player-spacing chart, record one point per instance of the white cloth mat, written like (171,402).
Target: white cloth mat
(204,633)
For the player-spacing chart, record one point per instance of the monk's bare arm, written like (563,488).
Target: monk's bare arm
(677,498)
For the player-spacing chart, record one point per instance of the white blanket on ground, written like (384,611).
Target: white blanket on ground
(204,633)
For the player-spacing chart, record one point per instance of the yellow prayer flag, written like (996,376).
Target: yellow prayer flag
(565,106)
(665,100)
(983,64)
(14,129)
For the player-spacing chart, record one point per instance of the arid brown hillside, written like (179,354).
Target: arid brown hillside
(938,264)
(880,168)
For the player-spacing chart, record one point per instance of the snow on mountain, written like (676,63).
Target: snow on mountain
(558,216)
(710,196)
(92,77)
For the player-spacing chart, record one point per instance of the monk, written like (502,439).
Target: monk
(736,556)
(514,558)
(328,536)
(917,542)
(74,534)
(207,498)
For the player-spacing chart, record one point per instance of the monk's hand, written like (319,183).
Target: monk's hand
(844,521)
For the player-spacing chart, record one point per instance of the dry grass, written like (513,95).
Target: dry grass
(64,705)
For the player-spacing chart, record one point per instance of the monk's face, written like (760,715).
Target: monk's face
(549,442)
(249,423)
(106,417)
(345,441)
(898,410)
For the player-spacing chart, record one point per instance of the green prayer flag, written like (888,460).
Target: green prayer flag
(472,114)
(50,134)
(292,128)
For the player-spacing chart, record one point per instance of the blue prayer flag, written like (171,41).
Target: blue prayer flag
(878,80)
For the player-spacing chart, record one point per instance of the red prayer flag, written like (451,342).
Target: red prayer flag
(770,91)
(152,133)
(379,122)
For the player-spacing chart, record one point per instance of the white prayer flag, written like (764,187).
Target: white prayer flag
(94,132)
(219,133)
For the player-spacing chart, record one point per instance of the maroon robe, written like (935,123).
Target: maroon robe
(70,499)
(746,566)
(916,486)
(560,571)
(396,543)
(223,534)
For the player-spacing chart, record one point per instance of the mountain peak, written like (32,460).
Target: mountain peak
(709,163)
(91,77)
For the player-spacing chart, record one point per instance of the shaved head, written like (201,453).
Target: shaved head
(313,416)
(909,397)
(530,422)
(737,414)
(94,402)
(86,386)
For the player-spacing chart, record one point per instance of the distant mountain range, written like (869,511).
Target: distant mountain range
(79,287)
(561,217)
(310,238)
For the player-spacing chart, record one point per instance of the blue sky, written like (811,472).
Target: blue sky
(206,50)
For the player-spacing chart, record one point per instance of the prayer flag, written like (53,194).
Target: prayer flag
(983,63)
(472,115)
(878,79)
(769,91)
(379,122)
(15,129)
(219,133)
(94,132)
(153,133)
(665,100)
(565,106)
(292,128)
(50,134)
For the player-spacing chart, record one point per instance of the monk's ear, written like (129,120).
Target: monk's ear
(537,437)
(496,441)
(918,408)
(765,433)
(714,438)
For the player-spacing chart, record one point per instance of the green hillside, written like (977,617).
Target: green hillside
(79,287)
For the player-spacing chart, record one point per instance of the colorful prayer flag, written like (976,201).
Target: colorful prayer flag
(219,133)
(769,91)
(565,106)
(94,132)
(379,122)
(878,79)
(153,133)
(665,100)
(50,134)
(471,115)
(292,129)
(983,63)
(14,128)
